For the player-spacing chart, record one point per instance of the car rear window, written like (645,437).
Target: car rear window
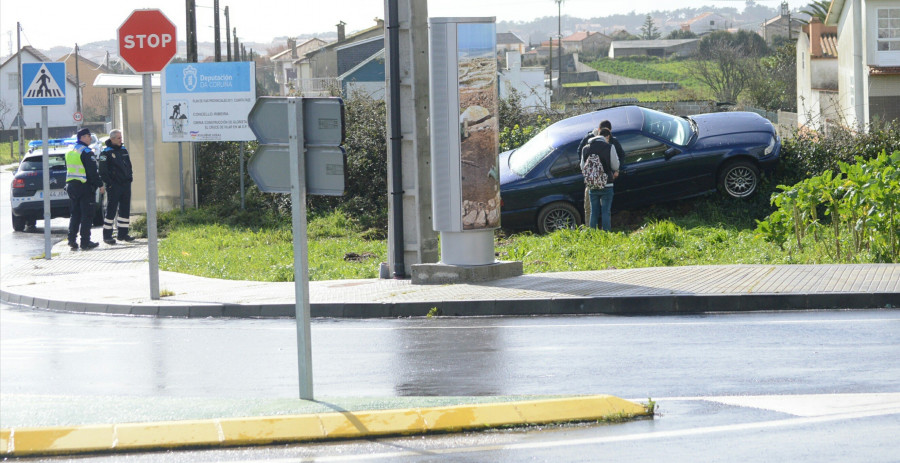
(522,160)
(35,163)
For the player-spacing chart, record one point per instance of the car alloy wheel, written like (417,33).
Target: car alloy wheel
(740,179)
(557,216)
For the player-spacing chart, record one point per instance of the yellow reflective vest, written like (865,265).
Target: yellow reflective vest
(74,167)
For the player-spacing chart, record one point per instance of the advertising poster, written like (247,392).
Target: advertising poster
(478,125)
(207,101)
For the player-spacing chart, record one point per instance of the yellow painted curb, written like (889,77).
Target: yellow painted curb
(299,428)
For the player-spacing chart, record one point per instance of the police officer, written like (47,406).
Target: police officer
(81,182)
(115,170)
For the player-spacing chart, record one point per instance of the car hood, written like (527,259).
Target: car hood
(728,123)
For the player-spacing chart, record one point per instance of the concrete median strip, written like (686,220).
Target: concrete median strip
(61,440)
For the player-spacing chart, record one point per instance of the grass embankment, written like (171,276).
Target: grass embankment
(670,70)
(9,152)
(710,231)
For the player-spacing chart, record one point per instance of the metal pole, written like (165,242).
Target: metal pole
(45,165)
(191,39)
(227,36)
(150,167)
(21,107)
(242,176)
(77,89)
(396,140)
(298,215)
(181,176)
(217,40)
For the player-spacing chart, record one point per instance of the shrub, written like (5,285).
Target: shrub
(862,204)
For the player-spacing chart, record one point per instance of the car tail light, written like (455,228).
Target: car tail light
(18,183)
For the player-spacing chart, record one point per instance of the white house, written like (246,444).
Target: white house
(57,116)
(818,104)
(706,23)
(528,81)
(868,59)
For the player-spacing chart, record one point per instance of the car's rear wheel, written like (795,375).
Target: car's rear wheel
(19,223)
(557,216)
(739,179)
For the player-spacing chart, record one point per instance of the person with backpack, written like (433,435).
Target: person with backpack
(620,153)
(600,167)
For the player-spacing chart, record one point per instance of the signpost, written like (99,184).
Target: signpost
(147,42)
(299,152)
(47,87)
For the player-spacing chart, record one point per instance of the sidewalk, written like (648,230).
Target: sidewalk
(79,281)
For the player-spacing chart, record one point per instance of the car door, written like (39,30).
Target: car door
(565,174)
(648,175)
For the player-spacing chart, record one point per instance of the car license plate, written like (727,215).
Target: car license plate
(59,194)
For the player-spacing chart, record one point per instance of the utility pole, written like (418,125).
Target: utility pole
(216,37)
(21,107)
(550,65)
(237,49)
(558,43)
(109,100)
(77,87)
(191,19)
(227,36)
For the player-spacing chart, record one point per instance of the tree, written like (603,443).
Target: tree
(817,9)
(727,63)
(680,34)
(649,30)
(775,86)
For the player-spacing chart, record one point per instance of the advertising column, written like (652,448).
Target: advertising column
(464,138)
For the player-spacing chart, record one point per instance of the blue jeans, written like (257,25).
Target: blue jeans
(601,200)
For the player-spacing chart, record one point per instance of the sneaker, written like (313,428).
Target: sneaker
(89,245)
(126,238)
(73,246)
(109,241)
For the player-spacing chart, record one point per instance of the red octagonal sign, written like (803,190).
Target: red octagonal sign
(147,41)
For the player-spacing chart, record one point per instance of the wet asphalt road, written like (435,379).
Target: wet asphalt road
(682,362)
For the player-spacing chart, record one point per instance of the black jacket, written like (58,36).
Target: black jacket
(620,153)
(115,165)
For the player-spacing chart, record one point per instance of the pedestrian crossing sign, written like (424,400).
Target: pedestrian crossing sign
(46,84)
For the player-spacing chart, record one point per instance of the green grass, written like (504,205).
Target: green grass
(595,83)
(713,231)
(9,155)
(671,70)
(216,250)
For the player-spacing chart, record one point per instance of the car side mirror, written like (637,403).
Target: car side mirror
(672,152)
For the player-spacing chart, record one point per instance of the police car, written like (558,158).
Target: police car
(26,191)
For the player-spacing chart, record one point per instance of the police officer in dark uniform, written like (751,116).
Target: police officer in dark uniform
(81,182)
(115,169)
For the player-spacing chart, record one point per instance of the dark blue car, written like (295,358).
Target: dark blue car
(667,158)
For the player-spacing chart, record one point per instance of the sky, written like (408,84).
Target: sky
(50,23)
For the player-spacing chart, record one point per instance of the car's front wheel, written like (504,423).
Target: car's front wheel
(739,179)
(18,223)
(557,216)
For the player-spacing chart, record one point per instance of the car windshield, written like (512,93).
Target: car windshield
(676,130)
(522,160)
(34,163)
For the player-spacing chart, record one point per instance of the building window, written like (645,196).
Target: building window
(888,31)
(13,80)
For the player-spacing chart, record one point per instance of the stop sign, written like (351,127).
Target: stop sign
(147,40)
